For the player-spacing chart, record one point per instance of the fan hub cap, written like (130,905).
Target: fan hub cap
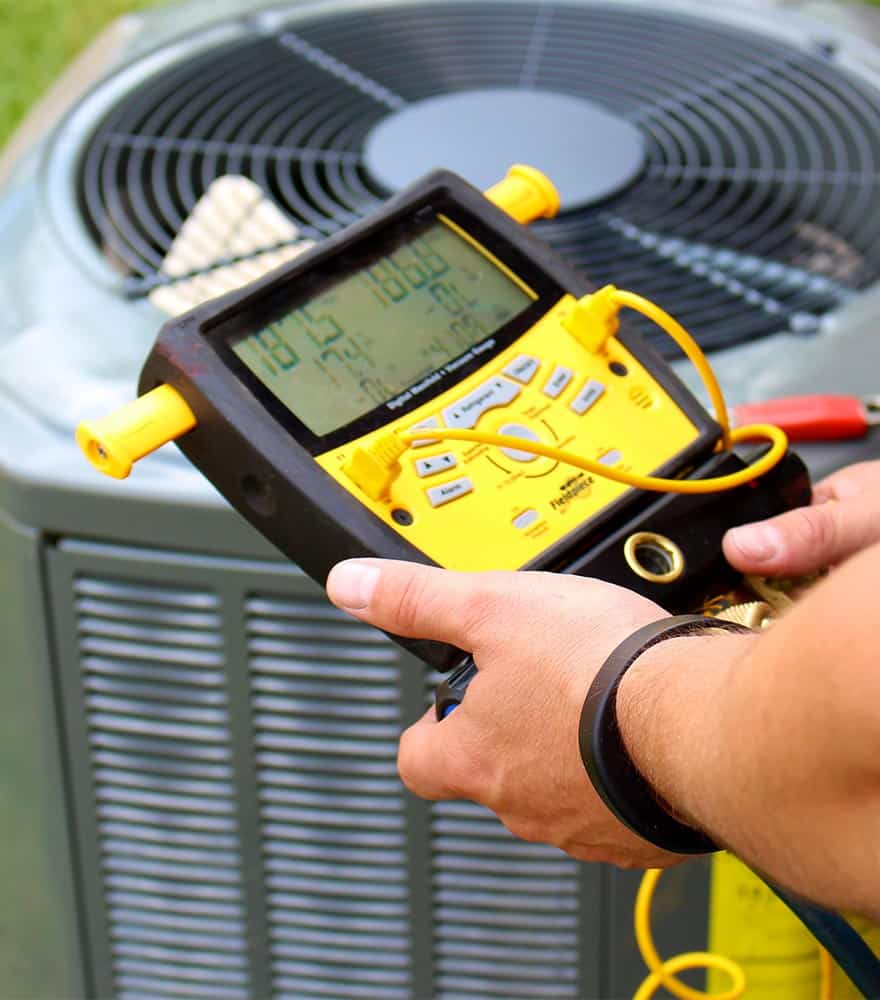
(588,152)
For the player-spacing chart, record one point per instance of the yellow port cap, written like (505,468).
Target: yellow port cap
(525,194)
(116,442)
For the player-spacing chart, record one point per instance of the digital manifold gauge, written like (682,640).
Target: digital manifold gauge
(408,388)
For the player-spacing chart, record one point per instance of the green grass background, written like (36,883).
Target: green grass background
(37,40)
(39,37)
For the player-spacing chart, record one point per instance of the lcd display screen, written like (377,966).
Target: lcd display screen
(384,328)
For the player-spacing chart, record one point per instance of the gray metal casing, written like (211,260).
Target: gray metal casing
(99,578)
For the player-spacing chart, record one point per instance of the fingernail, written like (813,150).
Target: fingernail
(759,542)
(351,584)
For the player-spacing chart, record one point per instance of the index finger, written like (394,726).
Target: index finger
(849,483)
(433,759)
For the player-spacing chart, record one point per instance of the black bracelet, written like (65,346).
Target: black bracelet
(611,770)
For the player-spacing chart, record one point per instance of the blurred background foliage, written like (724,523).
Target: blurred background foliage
(39,37)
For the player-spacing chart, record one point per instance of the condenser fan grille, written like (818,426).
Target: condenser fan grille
(757,208)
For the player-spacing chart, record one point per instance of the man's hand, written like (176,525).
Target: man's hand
(843,519)
(538,640)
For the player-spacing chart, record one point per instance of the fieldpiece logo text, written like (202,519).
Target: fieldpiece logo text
(571,489)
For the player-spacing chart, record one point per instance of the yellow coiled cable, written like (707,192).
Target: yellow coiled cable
(663,973)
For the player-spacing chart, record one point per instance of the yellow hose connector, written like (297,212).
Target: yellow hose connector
(525,194)
(116,442)
(375,467)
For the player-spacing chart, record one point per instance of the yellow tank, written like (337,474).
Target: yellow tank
(780,957)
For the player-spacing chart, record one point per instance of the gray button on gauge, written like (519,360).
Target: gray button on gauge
(558,381)
(423,442)
(525,519)
(589,395)
(437,463)
(518,430)
(445,492)
(468,410)
(522,368)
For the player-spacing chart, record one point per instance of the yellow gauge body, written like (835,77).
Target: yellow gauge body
(470,506)
(307,368)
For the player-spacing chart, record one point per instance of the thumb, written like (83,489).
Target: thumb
(423,602)
(803,540)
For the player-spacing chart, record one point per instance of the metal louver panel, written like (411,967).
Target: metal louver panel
(158,731)
(242,832)
(506,914)
(326,719)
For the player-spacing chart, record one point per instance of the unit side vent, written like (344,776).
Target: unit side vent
(506,913)
(326,718)
(158,728)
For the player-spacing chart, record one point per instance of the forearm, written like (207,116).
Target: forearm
(772,743)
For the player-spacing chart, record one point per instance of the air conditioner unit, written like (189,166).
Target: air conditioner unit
(197,752)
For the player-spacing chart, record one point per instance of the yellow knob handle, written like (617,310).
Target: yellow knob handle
(525,194)
(115,443)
